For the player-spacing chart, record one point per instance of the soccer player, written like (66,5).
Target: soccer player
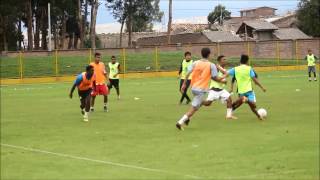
(84,83)
(182,73)
(311,58)
(202,72)
(217,90)
(100,86)
(243,75)
(114,69)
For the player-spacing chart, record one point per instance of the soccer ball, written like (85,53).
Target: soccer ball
(262,112)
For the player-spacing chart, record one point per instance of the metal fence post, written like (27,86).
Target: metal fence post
(124,61)
(90,56)
(248,52)
(296,53)
(56,63)
(278,54)
(20,65)
(156,59)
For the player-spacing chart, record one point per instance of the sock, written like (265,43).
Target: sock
(91,107)
(229,112)
(105,104)
(86,114)
(183,119)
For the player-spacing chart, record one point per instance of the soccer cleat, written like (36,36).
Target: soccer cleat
(310,79)
(179,126)
(85,118)
(231,117)
(105,108)
(187,122)
(315,79)
(92,109)
(188,101)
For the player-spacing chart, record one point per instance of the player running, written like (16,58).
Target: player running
(183,73)
(114,69)
(217,90)
(311,58)
(202,72)
(100,86)
(84,83)
(243,75)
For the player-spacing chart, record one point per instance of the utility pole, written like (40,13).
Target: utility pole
(49,25)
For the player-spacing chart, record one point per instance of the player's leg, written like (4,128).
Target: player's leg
(225,96)
(314,73)
(252,104)
(82,101)
(87,101)
(195,105)
(117,87)
(182,93)
(235,105)
(186,91)
(93,98)
(212,96)
(309,72)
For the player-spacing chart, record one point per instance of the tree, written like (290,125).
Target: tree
(29,24)
(170,21)
(94,10)
(218,15)
(308,16)
(138,15)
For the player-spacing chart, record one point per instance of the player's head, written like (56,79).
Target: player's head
(205,53)
(89,69)
(187,55)
(309,51)
(97,57)
(222,60)
(244,59)
(113,59)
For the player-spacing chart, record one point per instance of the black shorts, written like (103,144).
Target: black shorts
(114,83)
(187,84)
(84,94)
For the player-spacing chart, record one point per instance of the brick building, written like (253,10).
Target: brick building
(258,12)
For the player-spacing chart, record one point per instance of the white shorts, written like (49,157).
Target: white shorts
(198,97)
(222,95)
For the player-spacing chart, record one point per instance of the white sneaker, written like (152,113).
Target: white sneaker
(315,79)
(85,118)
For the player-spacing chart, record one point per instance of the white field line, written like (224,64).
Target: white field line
(99,161)
(267,174)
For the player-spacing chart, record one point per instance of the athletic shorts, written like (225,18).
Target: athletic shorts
(221,95)
(198,97)
(114,83)
(84,94)
(187,84)
(311,69)
(100,90)
(250,95)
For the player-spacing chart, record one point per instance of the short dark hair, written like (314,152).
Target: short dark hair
(97,54)
(187,53)
(244,59)
(220,57)
(89,67)
(205,52)
(113,57)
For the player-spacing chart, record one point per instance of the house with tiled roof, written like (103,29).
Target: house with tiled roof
(256,30)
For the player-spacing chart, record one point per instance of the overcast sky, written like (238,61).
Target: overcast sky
(184,9)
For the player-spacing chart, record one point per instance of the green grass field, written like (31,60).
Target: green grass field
(137,62)
(43,136)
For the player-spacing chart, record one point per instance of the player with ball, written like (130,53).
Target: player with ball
(244,74)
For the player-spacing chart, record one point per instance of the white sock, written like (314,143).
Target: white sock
(229,112)
(91,107)
(183,119)
(86,114)
(105,104)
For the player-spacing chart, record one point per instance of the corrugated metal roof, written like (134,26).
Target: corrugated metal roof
(260,25)
(221,36)
(290,33)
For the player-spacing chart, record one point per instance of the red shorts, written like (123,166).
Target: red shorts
(100,90)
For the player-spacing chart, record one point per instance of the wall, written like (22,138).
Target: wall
(257,49)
